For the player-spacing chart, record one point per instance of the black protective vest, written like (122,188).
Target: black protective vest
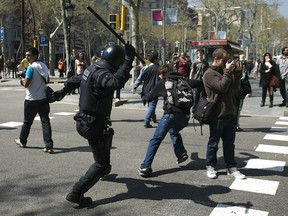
(94,99)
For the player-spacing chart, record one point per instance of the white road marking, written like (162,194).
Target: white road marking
(11,124)
(37,118)
(14,89)
(272,149)
(283,118)
(222,209)
(255,185)
(281,123)
(279,129)
(276,137)
(272,165)
(64,113)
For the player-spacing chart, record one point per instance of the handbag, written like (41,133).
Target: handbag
(49,92)
(275,82)
(206,111)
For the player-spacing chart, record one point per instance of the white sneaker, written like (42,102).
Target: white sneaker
(211,172)
(18,142)
(235,172)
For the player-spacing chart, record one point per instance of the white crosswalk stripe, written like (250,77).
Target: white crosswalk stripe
(272,165)
(222,210)
(281,123)
(255,185)
(64,113)
(11,124)
(276,137)
(272,149)
(279,129)
(260,186)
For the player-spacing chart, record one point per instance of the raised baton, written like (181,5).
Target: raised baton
(113,32)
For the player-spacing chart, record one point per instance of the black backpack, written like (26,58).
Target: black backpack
(207,111)
(179,92)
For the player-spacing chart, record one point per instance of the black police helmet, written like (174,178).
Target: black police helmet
(114,55)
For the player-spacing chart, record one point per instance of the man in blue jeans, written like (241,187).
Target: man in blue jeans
(173,121)
(222,78)
(149,76)
(36,100)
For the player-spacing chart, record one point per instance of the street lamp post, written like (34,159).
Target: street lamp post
(69,9)
(217,16)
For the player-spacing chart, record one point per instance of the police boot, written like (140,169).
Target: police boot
(91,177)
(78,197)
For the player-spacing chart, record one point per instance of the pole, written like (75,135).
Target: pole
(113,32)
(163,31)
(69,41)
(22,28)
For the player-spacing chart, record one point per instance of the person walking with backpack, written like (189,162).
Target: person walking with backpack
(221,78)
(149,76)
(176,115)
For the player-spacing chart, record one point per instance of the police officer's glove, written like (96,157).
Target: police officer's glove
(59,95)
(130,52)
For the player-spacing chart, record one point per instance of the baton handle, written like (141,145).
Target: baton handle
(113,32)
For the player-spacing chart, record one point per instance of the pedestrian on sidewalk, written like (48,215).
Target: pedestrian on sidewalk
(97,86)
(173,121)
(282,63)
(197,71)
(268,69)
(222,79)
(36,101)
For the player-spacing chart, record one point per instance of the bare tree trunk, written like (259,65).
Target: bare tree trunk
(134,16)
(65,30)
(52,50)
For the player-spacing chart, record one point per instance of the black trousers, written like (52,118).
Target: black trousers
(100,144)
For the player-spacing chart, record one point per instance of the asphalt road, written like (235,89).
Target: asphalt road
(35,183)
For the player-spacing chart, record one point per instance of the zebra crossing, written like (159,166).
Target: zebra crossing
(14,124)
(260,186)
(250,185)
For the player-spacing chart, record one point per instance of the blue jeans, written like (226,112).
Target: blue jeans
(151,111)
(31,108)
(172,123)
(224,128)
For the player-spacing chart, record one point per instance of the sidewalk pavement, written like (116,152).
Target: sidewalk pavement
(251,106)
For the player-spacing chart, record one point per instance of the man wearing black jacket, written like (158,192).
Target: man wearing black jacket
(149,76)
(97,85)
(173,121)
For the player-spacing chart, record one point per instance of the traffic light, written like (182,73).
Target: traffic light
(114,21)
(35,42)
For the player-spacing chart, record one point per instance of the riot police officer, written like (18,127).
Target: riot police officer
(97,85)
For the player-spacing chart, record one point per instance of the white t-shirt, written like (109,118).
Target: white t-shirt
(37,88)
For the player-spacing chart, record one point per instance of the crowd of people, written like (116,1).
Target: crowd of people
(224,80)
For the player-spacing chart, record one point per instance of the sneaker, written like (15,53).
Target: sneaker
(235,172)
(18,142)
(282,104)
(144,172)
(183,158)
(48,150)
(211,172)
